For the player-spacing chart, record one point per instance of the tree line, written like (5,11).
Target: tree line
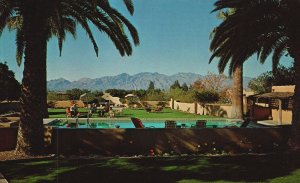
(211,88)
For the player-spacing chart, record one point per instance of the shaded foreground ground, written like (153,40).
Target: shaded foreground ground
(284,167)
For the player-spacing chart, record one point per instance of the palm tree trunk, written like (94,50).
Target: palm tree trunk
(33,97)
(296,106)
(237,93)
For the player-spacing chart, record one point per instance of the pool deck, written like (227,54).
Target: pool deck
(48,120)
(2,179)
(268,122)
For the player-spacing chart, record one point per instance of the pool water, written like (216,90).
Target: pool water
(147,124)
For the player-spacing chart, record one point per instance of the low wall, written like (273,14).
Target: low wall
(10,106)
(186,107)
(8,138)
(286,116)
(110,142)
(156,103)
(65,103)
(221,110)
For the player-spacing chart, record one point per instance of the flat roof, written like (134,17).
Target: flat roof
(274,95)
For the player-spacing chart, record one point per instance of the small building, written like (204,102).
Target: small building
(274,108)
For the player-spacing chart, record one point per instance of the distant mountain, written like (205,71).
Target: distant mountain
(127,82)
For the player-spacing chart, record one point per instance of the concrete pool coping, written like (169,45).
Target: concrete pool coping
(48,120)
(2,178)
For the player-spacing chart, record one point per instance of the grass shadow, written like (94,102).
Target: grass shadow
(243,168)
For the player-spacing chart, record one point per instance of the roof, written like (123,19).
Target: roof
(274,95)
(130,95)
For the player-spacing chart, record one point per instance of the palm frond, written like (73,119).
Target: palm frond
(20,42)
(129,6)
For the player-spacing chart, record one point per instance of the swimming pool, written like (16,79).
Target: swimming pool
(128,124)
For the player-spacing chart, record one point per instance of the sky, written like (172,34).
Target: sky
(174,37)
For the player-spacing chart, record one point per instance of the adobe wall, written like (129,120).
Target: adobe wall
(128,142)
(67,103)
(156,103)
(287,88)
(9,106)
(286,116)
(221,110)
(111,142)
(8,138)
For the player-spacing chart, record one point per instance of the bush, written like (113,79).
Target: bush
(181,95)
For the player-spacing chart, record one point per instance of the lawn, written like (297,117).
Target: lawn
(139,113)
(283,167)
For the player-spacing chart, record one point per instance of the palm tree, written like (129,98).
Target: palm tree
(235,40)
(274,25)
(35,22)
(220,45)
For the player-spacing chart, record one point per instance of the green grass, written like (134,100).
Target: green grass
(283,167)
(139,113)
(165,113)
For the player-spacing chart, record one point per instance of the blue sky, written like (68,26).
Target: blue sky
(174,36)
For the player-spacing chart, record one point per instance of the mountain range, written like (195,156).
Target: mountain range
(128,82)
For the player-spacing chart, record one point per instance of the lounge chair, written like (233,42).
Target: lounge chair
(170,124)
(137,123)
(201,123)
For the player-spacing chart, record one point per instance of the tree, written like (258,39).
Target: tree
(151,87)
(261,84)
(185,87)
(224,42)
(284,76)
(10,87)
(176,84)
(35,22)
(206,96)
(117,92)
(264,82)
(198,85)
(274,25)
(88,98)
(140,93)
(214,82)
(75,93)
(181,95)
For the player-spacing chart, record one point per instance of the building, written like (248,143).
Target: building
(274,108)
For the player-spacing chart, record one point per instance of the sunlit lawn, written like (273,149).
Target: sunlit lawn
(244,168)
(139,113)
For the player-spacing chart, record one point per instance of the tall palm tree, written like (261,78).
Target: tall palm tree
(35,22)
(221,42)
(274,25)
